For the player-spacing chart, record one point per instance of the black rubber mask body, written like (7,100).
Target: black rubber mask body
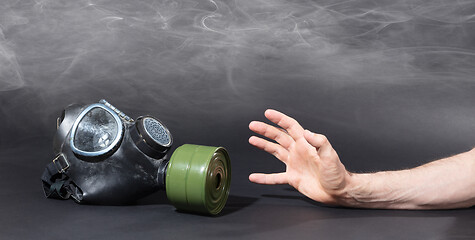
(104,157)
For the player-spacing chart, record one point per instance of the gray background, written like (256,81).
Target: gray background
(390,83)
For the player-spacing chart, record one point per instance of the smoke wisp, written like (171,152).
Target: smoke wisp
(211,56)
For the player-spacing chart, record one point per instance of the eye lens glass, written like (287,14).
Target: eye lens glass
(156,131)
(96,131)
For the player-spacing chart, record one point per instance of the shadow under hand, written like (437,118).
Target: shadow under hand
(301,198)
(298,196)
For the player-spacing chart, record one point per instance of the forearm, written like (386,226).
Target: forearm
(442,184)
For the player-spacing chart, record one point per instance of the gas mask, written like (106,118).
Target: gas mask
(103,156)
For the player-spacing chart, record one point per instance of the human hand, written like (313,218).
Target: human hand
(312,165)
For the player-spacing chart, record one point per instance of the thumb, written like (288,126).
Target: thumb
(320,142)
(332,174)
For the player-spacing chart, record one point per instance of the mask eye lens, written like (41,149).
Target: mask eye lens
(96,131)
(156,131)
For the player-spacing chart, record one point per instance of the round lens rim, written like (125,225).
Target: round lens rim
(106,150)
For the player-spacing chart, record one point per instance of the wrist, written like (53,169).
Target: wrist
(352,188)
(348,196)
(359,192)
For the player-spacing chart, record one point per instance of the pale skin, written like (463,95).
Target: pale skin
(314,169)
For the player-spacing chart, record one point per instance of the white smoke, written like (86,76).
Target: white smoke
(195,53)
(10,71)
(364,40)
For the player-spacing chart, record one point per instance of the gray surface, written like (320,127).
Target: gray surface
(390,82)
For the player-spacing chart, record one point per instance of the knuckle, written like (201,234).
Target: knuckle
(322,139)
(283,131)
(325,155)
(263,129)
(292,121)
(279,154)
(280,137)
(267,148)
(328,155)
(294,129)
(289,121)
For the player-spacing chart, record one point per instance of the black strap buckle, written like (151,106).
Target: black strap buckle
(61,163)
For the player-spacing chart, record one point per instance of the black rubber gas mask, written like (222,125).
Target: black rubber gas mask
(102,156)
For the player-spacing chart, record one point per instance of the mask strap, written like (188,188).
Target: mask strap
(57,184)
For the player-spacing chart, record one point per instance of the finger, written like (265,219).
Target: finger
(270,179)
(289,124)
(278,135)
(320,142)
(270,147)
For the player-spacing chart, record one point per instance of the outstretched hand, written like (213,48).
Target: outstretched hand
(312,165)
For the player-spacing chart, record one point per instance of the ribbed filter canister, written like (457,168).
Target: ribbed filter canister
(198,178)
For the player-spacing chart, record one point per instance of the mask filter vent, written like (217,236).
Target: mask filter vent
(151,137)
(156,131)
